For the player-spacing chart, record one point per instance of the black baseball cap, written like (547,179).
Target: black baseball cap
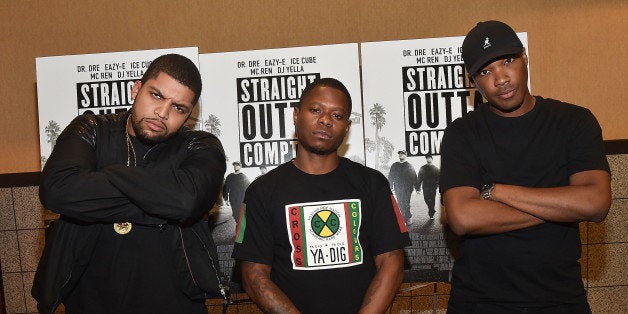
(488,41)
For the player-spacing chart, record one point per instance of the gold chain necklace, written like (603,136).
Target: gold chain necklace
(125,227)
(130,149)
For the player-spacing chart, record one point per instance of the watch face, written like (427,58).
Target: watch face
(486,191)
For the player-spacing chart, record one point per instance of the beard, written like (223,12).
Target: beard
(144,136)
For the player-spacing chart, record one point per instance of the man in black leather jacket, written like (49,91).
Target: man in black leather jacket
(132,190)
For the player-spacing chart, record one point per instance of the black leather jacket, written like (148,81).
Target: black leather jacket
(87,181)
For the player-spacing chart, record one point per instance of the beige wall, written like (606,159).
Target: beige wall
(578,49)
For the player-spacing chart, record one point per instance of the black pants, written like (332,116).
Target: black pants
(502,308)
(429,196)
(403,200)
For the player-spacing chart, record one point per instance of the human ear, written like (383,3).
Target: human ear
(136,89)
(295,114)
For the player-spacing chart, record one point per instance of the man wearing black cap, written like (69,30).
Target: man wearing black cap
(517,175)
(234,188)
(402,178)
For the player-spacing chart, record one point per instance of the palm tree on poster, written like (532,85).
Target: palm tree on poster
(378,119)
(212,125)
(52,132)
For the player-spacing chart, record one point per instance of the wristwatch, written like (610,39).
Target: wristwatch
(487,191)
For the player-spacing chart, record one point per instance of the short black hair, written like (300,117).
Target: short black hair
(180,68)
(327,82)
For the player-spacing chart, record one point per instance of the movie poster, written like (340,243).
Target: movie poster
(101,83)
(247,101)
(412,90)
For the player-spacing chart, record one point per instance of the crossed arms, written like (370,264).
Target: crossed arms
(586,198)
(180,187)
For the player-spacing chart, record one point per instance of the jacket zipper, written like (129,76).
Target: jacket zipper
(223,290)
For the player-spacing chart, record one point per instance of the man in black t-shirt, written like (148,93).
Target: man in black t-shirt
(321,233)
(234,187)
(402,178)
(427,180)
(517,175)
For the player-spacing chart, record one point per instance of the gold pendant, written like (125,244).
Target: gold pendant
(122,227)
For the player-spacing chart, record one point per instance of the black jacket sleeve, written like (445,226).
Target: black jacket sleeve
(181,182)
(73,186)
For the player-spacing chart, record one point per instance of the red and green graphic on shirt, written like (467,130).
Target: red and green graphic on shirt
(325,234)
(241,226)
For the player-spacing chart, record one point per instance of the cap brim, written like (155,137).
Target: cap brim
(489,57)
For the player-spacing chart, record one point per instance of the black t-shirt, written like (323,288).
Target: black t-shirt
(320,233)
(427,178)
(536,265)
(234,187)
(402,176)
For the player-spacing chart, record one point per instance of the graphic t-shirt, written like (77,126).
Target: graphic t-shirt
(324,234)
(320,233)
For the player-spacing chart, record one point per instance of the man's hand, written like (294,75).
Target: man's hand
(386,282)
(586,198)
(468,213)
(263,291)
